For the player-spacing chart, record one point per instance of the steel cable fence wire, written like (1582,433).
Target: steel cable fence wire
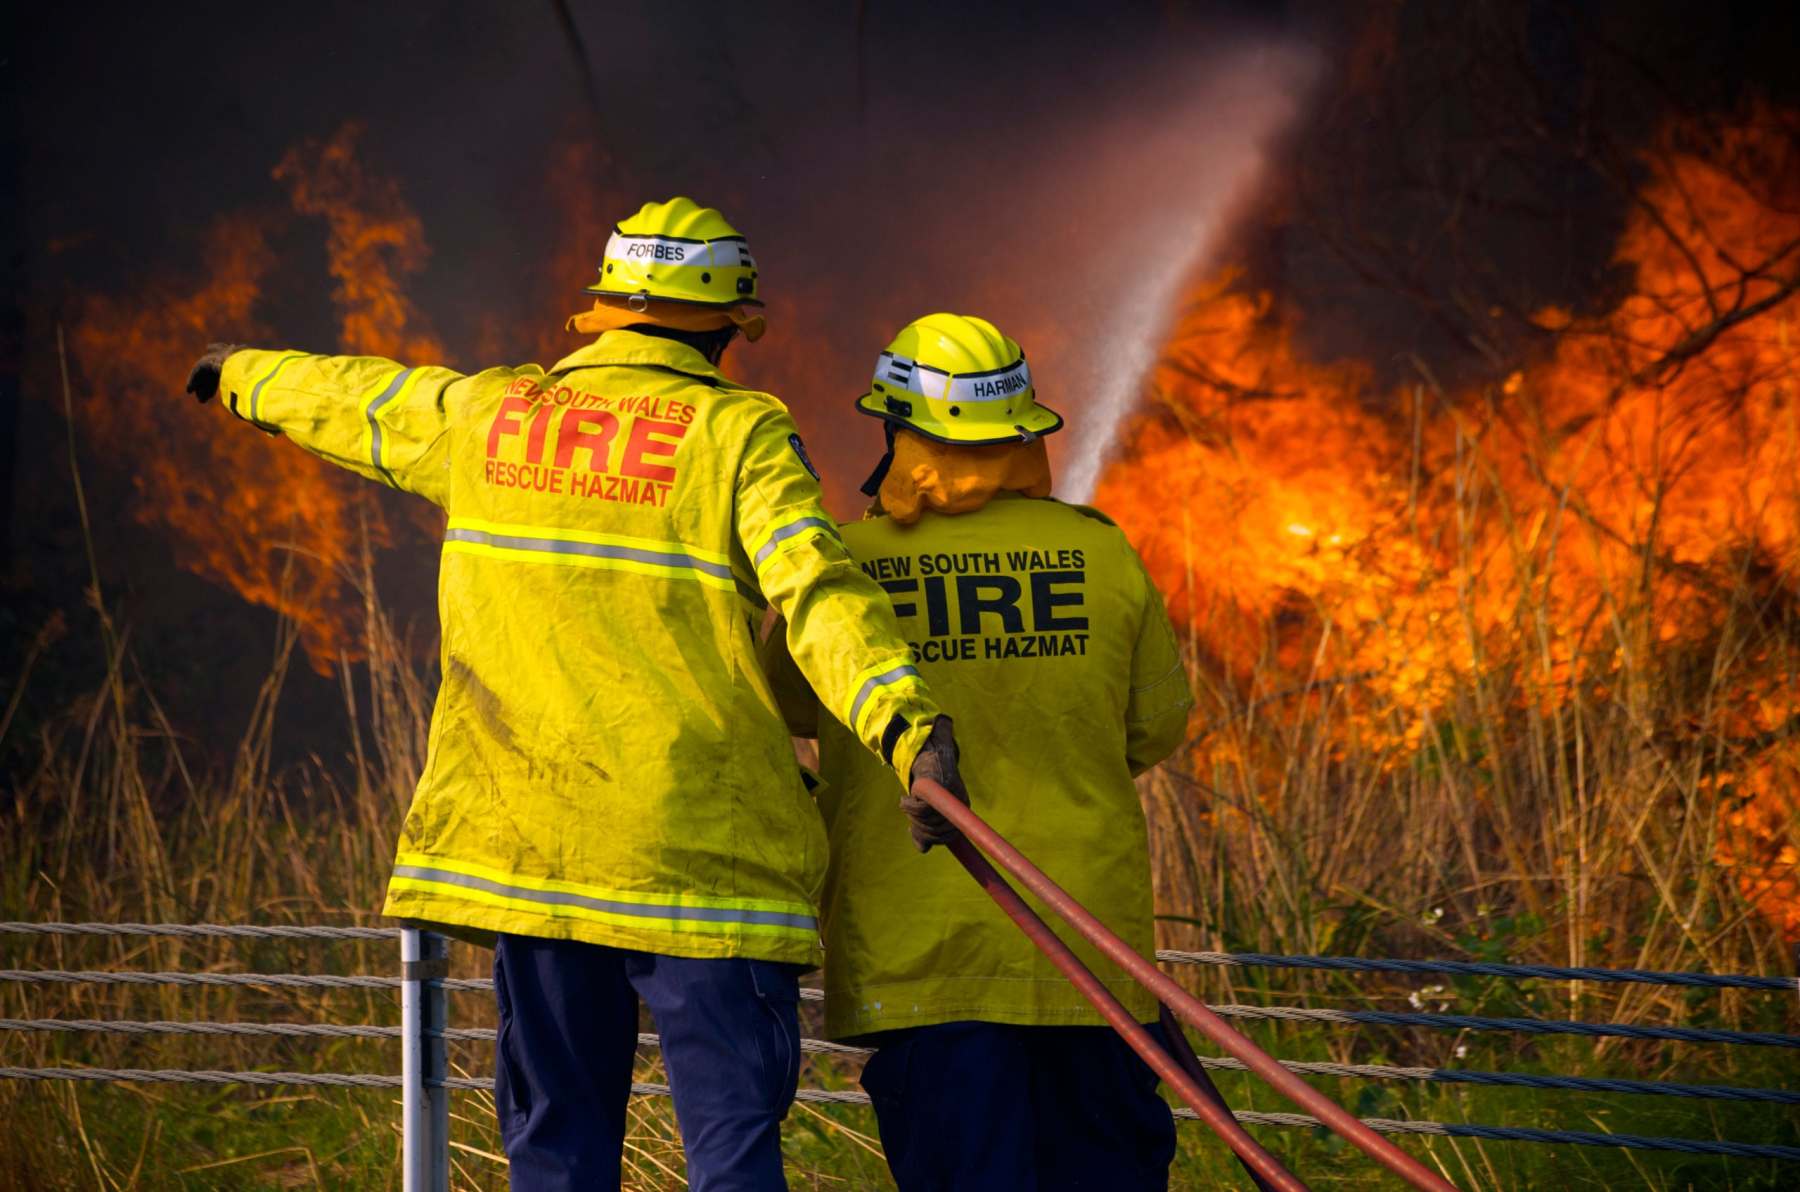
(1171,956)
(1586,1084)
(1522,1026)
(1449,1022)
(273,980)
(1480,969)
(338,1080)
(278,1030)
(277,980)
(203,931)
(282,1030)
(203,1076)
(484,1084)
(1580,1084)
(1692,1146)
(306,1030)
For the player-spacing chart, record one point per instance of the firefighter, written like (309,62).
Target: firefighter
(1043,638)
(609,792)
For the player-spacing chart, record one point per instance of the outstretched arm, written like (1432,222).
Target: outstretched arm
(373,416)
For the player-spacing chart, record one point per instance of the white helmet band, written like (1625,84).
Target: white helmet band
(1000,384)
(726,253)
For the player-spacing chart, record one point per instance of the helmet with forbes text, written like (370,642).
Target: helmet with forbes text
(677,251)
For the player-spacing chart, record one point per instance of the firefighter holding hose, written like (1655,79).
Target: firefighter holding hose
(1042,637)
(609,791)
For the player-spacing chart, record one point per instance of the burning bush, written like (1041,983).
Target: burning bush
(277,526)
(1602,542)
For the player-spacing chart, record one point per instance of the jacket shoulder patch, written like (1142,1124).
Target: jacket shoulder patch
(800,450)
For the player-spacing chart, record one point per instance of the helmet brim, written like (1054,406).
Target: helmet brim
(629,294)
(1037,422)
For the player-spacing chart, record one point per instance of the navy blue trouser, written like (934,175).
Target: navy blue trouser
(568,1032)
(981,1105)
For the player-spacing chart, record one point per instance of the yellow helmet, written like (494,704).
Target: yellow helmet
(677,251)
(956,379)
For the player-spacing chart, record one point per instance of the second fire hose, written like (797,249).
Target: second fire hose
(1184,1004)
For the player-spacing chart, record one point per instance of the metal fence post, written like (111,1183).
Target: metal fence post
(425,1147)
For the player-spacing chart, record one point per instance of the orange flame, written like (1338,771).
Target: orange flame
(280,527)
(1615,496)
(375,242)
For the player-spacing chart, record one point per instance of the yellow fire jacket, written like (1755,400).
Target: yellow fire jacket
(607,761)
(1044,639)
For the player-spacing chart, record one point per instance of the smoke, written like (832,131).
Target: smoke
(1188,176)
(1073,231)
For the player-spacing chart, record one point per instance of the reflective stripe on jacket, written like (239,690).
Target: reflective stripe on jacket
(606,759)
(1042,636)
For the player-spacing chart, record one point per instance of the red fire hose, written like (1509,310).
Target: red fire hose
(1184,1004)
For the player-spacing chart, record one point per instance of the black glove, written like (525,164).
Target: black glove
(203,380)
(936,761)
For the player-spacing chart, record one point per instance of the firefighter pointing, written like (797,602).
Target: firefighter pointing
(609,790)
(1037,626)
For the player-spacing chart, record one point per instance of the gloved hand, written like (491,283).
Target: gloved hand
(203,379)
(937,761)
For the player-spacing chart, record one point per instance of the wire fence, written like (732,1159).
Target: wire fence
(1471,968)
(424,1033)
